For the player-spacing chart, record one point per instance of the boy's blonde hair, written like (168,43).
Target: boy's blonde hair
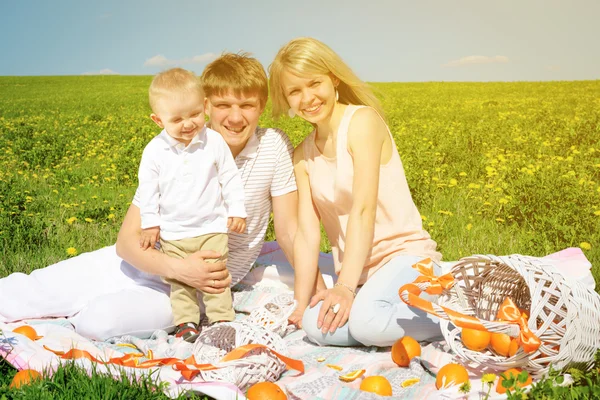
(306,57)
(171,81)
(239,73)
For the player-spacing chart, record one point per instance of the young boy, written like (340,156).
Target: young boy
(190,192)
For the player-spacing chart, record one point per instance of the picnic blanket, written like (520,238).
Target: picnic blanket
(271,277)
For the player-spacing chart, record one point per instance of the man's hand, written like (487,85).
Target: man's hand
(208,277)
(149,237)
(236,224)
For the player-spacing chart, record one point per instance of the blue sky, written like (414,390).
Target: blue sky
(382,40)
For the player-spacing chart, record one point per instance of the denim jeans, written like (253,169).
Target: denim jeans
(378,316)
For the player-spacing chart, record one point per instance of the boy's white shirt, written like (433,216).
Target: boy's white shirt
(189,190)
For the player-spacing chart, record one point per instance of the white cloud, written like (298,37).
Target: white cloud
(471,60)
(104,71)
(553,68)
(162,61)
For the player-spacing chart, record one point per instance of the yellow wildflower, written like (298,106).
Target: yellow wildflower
(72,251)
(488,378)
(585,246)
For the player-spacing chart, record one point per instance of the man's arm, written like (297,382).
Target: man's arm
(192,270)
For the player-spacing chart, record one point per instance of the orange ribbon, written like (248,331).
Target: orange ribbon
(437,283)
(458,319)
(132,360)
(509,312)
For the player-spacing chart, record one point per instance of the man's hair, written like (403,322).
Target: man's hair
(239,73)
(172,81)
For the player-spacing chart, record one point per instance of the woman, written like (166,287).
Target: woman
(350,179)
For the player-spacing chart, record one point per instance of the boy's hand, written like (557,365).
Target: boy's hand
(149,237)
(236,224)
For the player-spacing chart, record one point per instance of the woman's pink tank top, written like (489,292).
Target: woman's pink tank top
(398,227)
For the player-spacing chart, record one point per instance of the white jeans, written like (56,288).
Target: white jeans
(98,292)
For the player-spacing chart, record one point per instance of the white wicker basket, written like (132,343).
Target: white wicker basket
(263,326)
(564,315)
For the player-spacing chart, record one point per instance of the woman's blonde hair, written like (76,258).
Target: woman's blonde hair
(307,56)
(239,72)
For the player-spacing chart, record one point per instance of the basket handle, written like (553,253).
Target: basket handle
(513,322)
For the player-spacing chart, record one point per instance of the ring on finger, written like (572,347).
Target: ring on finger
(335,308)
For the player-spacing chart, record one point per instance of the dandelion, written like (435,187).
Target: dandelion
(465,387)
(463,174)
(424,218)
(110,216)
(585,246)
(71,251)
(449,213)
(488,378)
(89,220)
(469,227)
(71,220)
(597,213)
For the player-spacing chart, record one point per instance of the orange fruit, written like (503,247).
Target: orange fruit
(265,391)
(512,373)
(451,374)
(404,350)
(409,382)
(474,339)
(333,366)
(28,331)
(376,384)
(504,345)
(352,376)
(24,377)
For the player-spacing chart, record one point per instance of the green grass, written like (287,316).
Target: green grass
(72,383)
(494,168)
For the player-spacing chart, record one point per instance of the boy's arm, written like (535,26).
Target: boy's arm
(148,187)
(230,179)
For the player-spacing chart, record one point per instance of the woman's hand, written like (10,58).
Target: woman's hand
(212,278)
(296,317)
(331,315)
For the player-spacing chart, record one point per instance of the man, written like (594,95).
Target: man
(105,296)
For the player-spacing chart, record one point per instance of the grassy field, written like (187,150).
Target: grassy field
(495,168)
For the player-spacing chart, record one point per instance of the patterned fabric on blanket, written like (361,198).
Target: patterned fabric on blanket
(271,277)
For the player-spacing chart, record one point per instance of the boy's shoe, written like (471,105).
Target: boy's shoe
(188,331)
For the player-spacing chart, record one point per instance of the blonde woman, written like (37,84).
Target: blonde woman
(350,179)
